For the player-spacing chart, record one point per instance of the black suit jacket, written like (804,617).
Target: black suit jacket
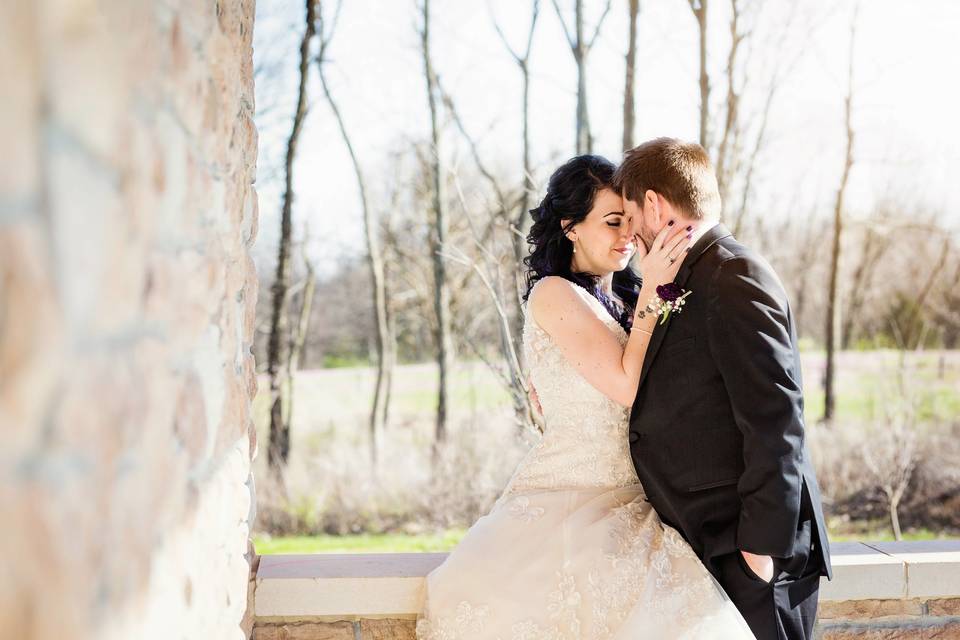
(716,432)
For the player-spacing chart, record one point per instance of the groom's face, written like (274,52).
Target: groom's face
(644,225)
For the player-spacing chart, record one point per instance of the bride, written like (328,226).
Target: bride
(572,549)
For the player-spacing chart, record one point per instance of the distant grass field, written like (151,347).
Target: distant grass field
(326,397)
(865,379)
(362,543)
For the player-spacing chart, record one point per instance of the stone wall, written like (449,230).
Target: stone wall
(880,591)
(126,318)
(936,619)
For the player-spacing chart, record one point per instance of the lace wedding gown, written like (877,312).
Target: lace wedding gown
(572,549)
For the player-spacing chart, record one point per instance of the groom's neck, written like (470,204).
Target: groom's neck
(700,228)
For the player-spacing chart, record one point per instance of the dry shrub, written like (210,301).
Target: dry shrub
(855,460)
(334,491)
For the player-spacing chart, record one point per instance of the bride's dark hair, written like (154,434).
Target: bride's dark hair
(570,195)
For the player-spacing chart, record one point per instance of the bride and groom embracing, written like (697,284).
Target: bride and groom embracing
(672,494)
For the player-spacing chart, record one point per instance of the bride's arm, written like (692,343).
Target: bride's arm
(587,343)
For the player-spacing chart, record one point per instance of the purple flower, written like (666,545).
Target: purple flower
(669,292)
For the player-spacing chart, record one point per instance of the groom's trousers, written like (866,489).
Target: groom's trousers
(784,609)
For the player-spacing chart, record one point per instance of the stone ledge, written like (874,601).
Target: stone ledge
(335,586)
(891,579)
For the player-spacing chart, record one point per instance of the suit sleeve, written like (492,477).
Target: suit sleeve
(752,342)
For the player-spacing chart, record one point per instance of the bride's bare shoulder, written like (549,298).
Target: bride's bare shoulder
(554,298)
(552,289)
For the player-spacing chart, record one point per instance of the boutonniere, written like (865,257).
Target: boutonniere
(670,298)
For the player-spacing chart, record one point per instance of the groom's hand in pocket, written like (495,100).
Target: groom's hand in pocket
(762,566)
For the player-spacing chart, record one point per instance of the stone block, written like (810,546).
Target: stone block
(944,607)
(341,630)
(388,629)
(934,630)
(868,609)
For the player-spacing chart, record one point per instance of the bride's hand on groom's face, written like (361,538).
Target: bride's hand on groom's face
(662,260)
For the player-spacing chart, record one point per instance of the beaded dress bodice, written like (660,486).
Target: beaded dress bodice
(585,438)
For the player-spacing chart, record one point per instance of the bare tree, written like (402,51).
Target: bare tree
(946,309)
(487,268)
(726,155)
(737,156)
(911,330)
(630,73)
(278,451)
(875,245)
(298,339)
(486,265)
(439,237)
(699,8)
(807,250)
(833,309)
(378,288)
(580,46)
(521,222)
(891,451)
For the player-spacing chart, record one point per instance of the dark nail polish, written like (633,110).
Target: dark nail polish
(670,224)
(689,235)
(690,228)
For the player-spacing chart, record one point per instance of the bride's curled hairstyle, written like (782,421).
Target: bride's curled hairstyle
(570,195)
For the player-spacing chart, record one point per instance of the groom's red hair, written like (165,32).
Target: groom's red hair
(679,171)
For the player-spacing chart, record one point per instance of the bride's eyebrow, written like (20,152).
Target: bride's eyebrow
(613,213)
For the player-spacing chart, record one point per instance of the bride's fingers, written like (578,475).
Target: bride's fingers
(677,251)
(657,243)
(641,251)
(671,243)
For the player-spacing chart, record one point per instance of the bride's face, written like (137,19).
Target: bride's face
(603,239)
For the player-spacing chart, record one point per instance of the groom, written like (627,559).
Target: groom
(716,432)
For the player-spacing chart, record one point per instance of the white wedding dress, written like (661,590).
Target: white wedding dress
(572,549)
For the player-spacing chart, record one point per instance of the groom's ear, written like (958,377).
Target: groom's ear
(651,207)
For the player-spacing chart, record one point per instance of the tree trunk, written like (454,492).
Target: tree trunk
(873,249)
(913,339)
(584,142)
(521,223)
(895,519)
(278,451)
(580,47)
(441,299)
(391,355)
(378,409)
(727,150)
(297,344)
(832,318)
(699,8)
(628,93)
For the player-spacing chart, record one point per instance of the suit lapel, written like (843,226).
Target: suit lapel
(710,238)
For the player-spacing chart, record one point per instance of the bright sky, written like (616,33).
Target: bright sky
(906,97)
